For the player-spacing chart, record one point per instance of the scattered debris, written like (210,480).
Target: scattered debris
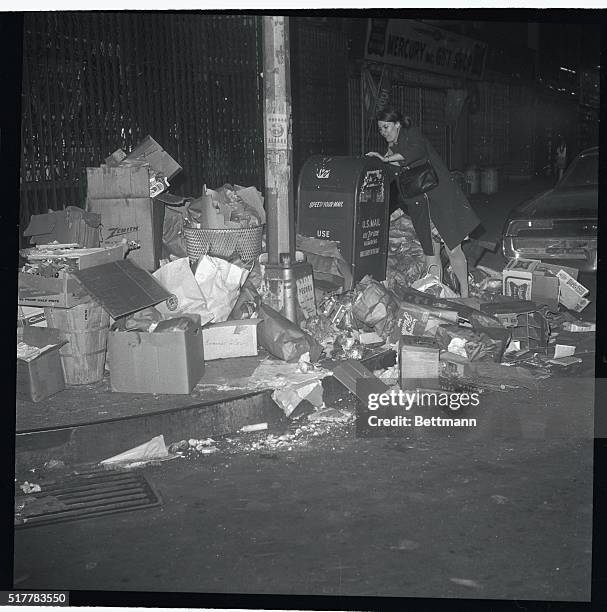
(255,427)
(30,487)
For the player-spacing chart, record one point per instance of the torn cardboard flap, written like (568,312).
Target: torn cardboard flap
(148,150)
(122,287)
(72,225)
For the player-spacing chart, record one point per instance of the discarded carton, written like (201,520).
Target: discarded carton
(359,380)
(79,258)
(62,292)
(527,279)
(418,363)
(164,362)
(42,376)
(118,182)
(572,293)
(139,220)
(72,225)
(230,339)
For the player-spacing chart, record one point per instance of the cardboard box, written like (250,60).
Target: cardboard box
(70,226)
(62,292)
(135,219)
(82,258)
(418,363)
(528,279)
(118,182)
(359,380)
(148,150)
(230,339)
(164,362)
(572,293)
(43,376)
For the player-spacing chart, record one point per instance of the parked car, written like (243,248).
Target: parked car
(560,225)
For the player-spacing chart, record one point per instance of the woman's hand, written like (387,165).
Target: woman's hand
(375,154)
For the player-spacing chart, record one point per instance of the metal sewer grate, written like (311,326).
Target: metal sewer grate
(83,496)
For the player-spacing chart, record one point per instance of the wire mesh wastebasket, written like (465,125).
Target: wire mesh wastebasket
(246,242)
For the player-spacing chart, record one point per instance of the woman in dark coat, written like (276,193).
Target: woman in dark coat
(441,216)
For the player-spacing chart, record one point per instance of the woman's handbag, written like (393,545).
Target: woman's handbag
(416,179)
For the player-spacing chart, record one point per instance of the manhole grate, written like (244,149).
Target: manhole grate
(83,496)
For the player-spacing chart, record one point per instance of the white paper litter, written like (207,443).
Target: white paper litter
(220,283)
(148,451)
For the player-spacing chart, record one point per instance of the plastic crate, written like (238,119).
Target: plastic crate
(532,331)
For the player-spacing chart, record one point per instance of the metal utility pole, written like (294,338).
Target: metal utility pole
(277,139)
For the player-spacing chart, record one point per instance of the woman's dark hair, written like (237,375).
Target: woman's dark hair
(393,116)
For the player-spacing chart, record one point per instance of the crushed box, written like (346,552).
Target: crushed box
(170,362)
(230,339)
(42,376)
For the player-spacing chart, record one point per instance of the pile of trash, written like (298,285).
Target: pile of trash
(170,311)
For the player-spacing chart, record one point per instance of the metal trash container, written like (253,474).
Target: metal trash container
(346,199)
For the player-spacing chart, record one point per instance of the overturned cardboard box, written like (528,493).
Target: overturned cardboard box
(41,376)
(72,225)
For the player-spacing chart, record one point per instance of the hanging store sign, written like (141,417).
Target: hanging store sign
(405,42)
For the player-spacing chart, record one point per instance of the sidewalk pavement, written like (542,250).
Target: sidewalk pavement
(86,424)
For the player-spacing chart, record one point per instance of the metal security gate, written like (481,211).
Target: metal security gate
(489,127)
(96,82)
(425,106)
(319,67)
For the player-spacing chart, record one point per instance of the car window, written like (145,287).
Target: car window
(583,171)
